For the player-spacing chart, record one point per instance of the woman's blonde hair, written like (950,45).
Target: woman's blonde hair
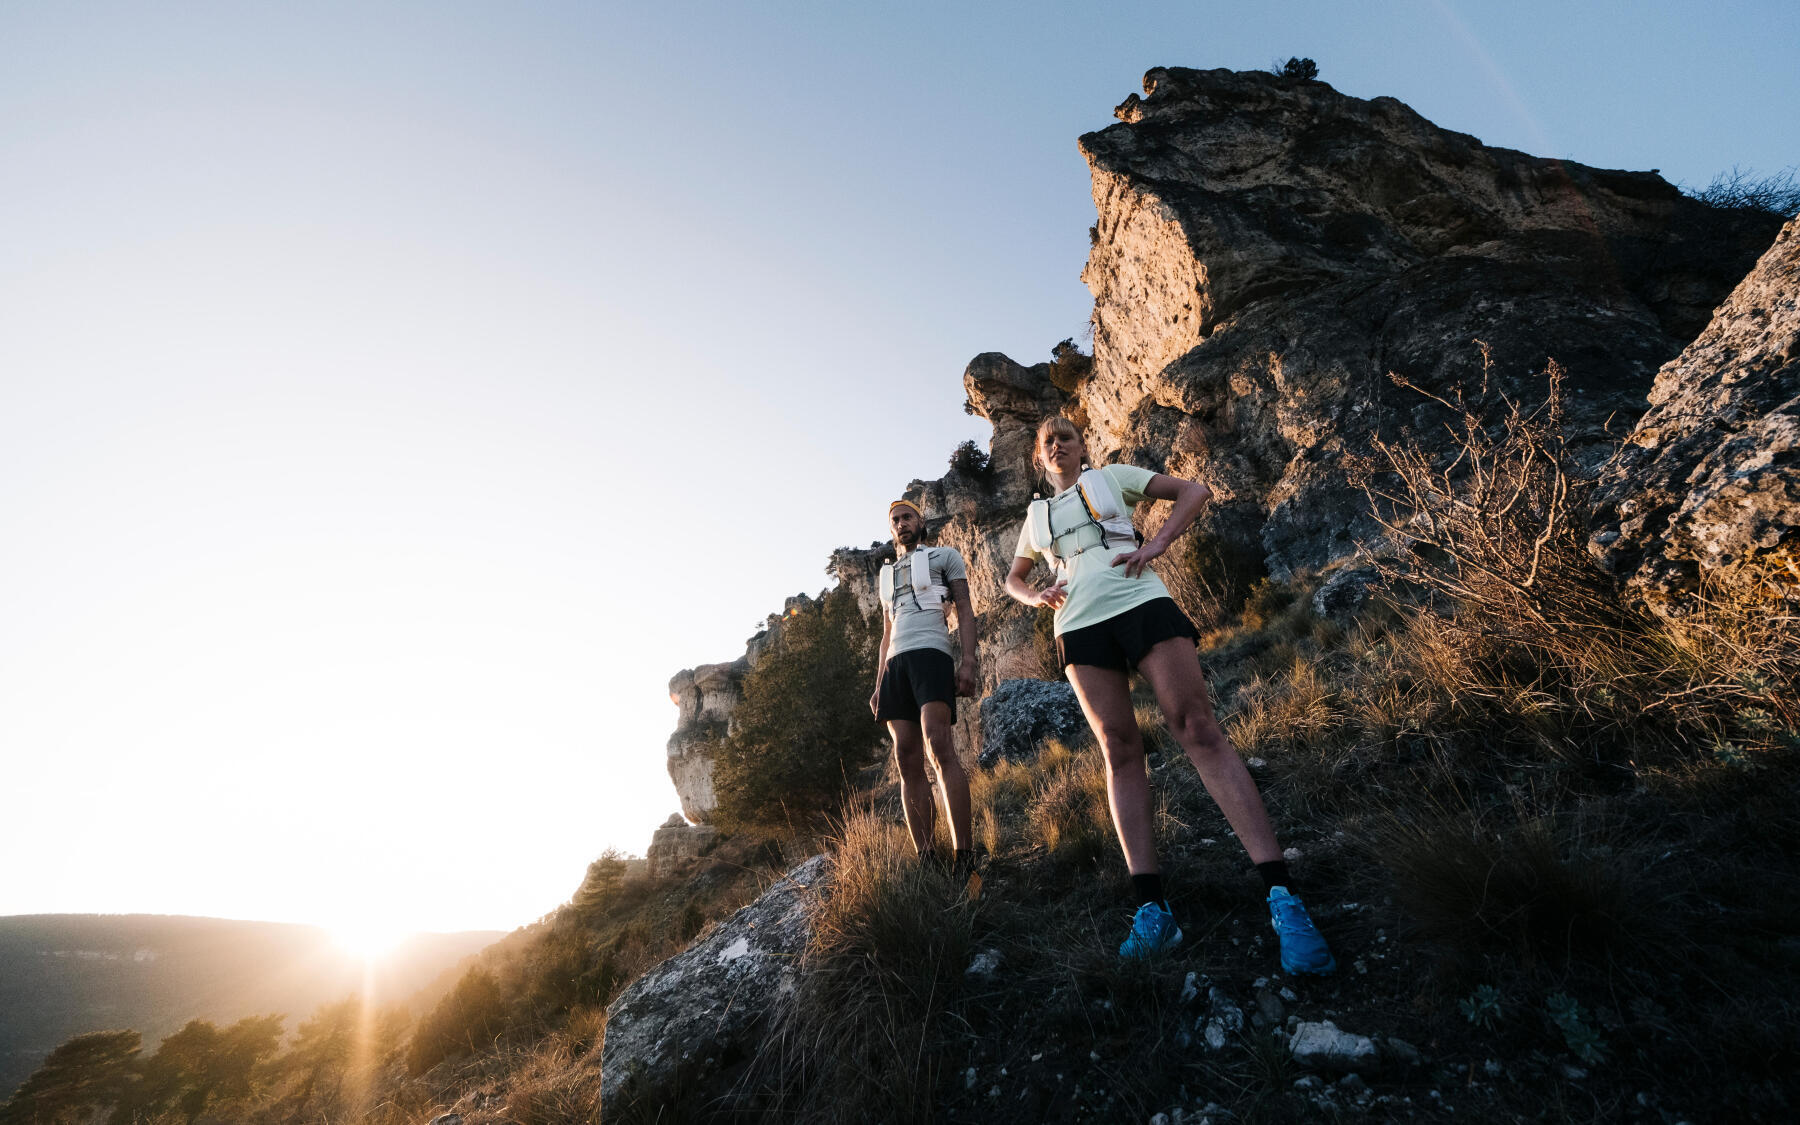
(1057,424)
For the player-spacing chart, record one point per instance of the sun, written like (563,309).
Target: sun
(368,939)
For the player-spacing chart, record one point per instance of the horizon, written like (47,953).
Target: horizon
(378,381)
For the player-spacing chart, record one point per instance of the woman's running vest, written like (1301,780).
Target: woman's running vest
(1110,525)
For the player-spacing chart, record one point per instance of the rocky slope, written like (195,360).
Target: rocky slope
(1266,251)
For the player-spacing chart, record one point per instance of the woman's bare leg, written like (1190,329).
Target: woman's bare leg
(1173,669)
(1105,697)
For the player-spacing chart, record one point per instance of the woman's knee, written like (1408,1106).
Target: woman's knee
(1123,747)
(1202,738)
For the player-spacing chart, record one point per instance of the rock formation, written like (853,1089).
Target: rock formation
(676,844)
(1267,250)
(1709,479)
(705,697)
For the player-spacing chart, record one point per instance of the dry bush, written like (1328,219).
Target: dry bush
(890,941)
(1068,815)
(1298,710)
(1000,795)
(1529,630)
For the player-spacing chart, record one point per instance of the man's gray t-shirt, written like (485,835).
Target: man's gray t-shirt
(915,627)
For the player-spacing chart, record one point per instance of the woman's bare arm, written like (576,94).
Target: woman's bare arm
(1190,497)
(1052,595)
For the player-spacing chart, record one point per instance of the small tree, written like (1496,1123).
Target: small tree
(803,728)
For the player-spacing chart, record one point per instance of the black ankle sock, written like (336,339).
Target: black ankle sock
(1148,888)
(1275,874)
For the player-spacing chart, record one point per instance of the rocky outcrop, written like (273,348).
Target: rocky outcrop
(1268,249)
(1709,479)
(677,844)
(678,1034)
(705,698)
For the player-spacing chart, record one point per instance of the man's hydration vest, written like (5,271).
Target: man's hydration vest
(1110,525)
(928,596)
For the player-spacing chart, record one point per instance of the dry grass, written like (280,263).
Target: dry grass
(889,942)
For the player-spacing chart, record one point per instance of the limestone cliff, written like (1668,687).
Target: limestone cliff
(1267,250)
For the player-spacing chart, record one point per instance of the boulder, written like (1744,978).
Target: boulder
(1019,715)
(1709,479)
(677,1033)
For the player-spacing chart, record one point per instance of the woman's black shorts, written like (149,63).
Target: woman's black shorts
(1121,641)
(911,680)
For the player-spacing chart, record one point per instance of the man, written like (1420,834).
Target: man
(918,681)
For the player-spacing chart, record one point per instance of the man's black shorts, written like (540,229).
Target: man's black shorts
(1120,642)
(911,680)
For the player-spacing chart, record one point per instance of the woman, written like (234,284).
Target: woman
(1114,614)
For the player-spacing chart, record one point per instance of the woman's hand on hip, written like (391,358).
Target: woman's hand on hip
(1055,594)
(1138,561)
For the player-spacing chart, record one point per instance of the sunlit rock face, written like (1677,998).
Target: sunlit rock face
(1267,250)
(1709,479)
(705,698)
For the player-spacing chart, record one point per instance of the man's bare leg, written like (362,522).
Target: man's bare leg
(940,740)
(915,787)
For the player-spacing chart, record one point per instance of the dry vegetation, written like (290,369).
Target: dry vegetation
(1543,832)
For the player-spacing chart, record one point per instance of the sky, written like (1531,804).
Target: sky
(394,396)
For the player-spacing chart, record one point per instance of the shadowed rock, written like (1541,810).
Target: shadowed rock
(677,1034)
(1018,716)
(1709,479)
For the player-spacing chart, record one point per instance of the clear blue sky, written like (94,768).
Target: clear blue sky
(392,397)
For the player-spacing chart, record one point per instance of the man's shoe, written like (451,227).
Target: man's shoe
(1153,933)
(1302,949)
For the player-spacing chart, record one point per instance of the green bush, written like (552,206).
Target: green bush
(803,729)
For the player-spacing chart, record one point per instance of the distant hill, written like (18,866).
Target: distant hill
(63,974)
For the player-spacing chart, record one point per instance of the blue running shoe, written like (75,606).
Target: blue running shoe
(1153,933)
(1302,949)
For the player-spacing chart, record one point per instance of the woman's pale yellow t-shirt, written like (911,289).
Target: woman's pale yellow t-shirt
(1097,590)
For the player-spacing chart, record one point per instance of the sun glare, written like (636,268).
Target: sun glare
(368,940)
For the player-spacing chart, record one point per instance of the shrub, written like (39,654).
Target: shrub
(971,461)
(1298,70)
(1210,576)
(1069,366)
(1525,627)
(1742,190)
(803,728)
